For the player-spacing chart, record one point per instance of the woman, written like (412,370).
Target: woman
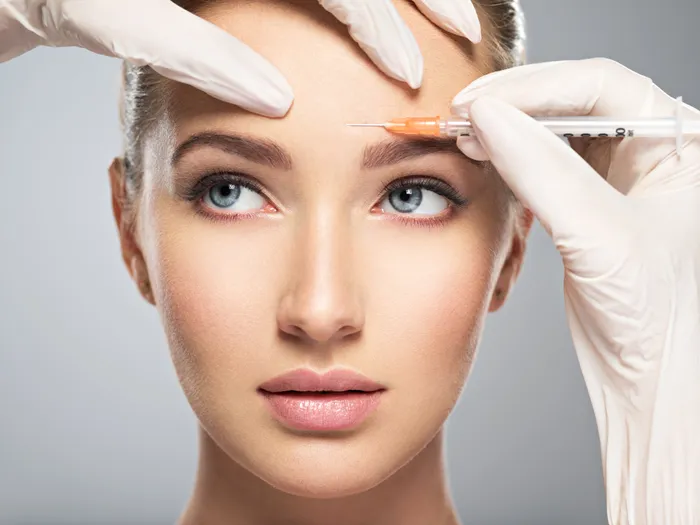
(334,214)
(292,255)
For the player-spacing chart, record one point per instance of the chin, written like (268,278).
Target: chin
(329,484)
(327,469)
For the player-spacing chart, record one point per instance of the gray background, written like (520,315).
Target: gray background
(93,426)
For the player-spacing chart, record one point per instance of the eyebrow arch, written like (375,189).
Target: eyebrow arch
(393,151)
(255,150)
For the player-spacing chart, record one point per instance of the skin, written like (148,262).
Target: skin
(322,275)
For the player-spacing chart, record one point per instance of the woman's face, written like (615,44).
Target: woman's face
(275,245)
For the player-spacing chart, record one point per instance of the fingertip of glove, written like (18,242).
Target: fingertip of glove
(465,98)
(409,70)
(472,148)
(273,110)
(280,105)
(274,103)
(458,17)
(471,25)
(471,29)
(415,79)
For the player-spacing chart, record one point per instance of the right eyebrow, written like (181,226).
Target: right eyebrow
(260,151)
(396,150)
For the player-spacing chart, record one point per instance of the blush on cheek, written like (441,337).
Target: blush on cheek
(423,326)
(218,300)
(430,299)
(443,314)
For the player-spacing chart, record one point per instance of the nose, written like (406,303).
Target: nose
(322,303)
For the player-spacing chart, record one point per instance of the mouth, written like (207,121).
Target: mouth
(335,401)
(319,393)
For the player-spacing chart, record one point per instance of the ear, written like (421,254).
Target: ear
(514,261)
(130,248)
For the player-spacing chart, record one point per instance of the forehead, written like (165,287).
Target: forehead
(333,80)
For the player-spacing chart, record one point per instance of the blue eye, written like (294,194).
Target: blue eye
(406,200)
(414,200)
(233,197)
(225,195)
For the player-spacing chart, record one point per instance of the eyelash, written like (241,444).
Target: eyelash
(207,182)
(429,183)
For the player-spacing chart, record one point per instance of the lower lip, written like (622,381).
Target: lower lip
(323,412)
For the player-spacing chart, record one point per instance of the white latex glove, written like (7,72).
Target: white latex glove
(625,216)
(188,49)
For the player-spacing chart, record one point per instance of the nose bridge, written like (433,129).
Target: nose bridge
(322,302)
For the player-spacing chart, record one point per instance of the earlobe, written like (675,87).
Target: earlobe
(139,273)
(131,252)
(497,299)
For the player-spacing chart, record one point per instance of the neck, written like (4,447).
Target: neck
(226,493)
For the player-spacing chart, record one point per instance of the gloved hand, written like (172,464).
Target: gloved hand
(188,49)
(625,216)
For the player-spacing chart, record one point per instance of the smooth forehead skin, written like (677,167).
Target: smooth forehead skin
(333,80)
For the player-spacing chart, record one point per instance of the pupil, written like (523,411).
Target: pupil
(225,195)
(406,200)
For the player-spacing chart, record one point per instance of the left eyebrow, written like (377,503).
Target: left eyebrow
(258,150)
(393,151)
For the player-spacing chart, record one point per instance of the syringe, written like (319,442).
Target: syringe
(593,127)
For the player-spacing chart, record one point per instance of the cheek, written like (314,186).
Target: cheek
(216,287)
(429,301)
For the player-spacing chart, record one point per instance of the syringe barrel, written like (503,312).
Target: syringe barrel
(583,127)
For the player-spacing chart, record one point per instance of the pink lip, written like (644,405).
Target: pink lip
(305,380)
(336,400)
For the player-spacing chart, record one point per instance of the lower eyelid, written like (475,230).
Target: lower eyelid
(236,216)
(267,208)
(377,210)
(430,221)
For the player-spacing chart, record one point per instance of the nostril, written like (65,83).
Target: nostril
(294,333)
(318,315)
(317,330)
(348,330)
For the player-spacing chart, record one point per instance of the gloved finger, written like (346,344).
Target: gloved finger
(381,32)
(176,44)
(597,87)
(473,149)
(15,37)
(575,205)
(456,16)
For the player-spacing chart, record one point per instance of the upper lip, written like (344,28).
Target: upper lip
(305,380)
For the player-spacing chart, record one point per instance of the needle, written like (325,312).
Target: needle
(567,127)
